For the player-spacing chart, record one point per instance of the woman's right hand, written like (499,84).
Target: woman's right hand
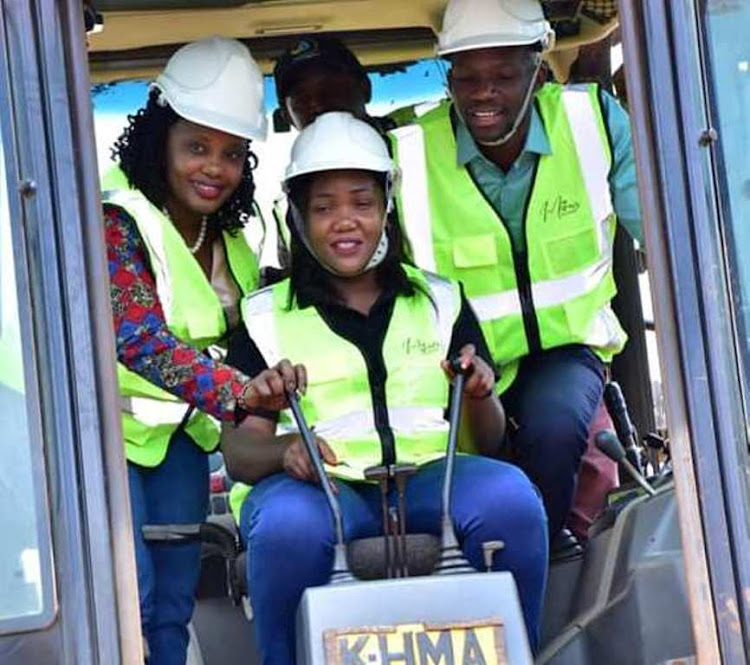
(297,462)
(268,389)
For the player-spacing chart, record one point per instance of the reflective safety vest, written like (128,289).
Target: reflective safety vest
(193,312)
(558,290)
(339,399)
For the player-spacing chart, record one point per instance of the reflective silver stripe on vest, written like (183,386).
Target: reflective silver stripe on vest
(415,195)
(595,163)
(445,295)
(605,330)
(592,156)
(496,305)
(548,293)
(409,420)
(557,291)
(258,308)
(152,236)
(153,412)
(257,311)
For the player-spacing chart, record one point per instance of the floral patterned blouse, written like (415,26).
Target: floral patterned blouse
(144,343)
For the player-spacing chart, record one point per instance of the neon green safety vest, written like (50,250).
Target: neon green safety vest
(338,401)
(559,290)
(193,313)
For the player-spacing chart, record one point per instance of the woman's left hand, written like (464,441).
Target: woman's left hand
(480,379)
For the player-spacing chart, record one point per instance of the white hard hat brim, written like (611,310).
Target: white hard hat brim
(194,111)
(387,170)
(337,141)
(498,41)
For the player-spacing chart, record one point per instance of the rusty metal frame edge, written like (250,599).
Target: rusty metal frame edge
(632,20)
(692,305)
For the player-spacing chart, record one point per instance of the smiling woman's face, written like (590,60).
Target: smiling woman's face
(344,219)
(203,167)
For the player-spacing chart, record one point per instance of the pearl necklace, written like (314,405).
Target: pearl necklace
(201,234)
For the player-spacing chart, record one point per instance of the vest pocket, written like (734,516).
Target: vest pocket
(569,253)
(474,251)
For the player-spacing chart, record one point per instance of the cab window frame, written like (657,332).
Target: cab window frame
(663,42)
(43,57)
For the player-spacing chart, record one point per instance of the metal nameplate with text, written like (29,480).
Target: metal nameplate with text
(460,643)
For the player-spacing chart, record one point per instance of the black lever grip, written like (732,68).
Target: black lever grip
(609,444)
(618,411)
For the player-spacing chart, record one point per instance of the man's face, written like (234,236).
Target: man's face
(316,90)
(489,86)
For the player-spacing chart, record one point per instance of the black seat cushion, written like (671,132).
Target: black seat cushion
(367,558)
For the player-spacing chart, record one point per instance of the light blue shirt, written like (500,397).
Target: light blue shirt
(508,192)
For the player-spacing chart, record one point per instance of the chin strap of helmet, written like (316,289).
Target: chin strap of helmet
(524,108)
(380,251)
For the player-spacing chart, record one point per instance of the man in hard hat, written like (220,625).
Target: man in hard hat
(514,187)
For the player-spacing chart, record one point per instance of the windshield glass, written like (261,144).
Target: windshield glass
(25,570)
(729,61)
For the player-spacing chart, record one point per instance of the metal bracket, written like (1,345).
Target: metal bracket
(708,136)
(27,188)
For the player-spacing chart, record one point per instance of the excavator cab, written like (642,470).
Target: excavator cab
(661,577)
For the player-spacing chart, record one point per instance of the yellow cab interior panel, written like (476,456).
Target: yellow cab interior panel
(137,37)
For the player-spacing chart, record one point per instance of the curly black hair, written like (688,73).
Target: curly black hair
(311,284)
(141,153)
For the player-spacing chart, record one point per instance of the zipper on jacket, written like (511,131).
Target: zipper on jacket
(377,396)
(382,422)
(523,277)
(520,266)
(523,280)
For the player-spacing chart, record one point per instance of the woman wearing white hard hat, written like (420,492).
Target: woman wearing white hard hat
(174,209)
(367,338)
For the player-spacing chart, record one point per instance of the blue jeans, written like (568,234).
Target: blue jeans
(553,401)
(288,530)
(175,492)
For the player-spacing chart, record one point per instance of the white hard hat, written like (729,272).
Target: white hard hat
(338,140)
(216,83)
(475,24)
